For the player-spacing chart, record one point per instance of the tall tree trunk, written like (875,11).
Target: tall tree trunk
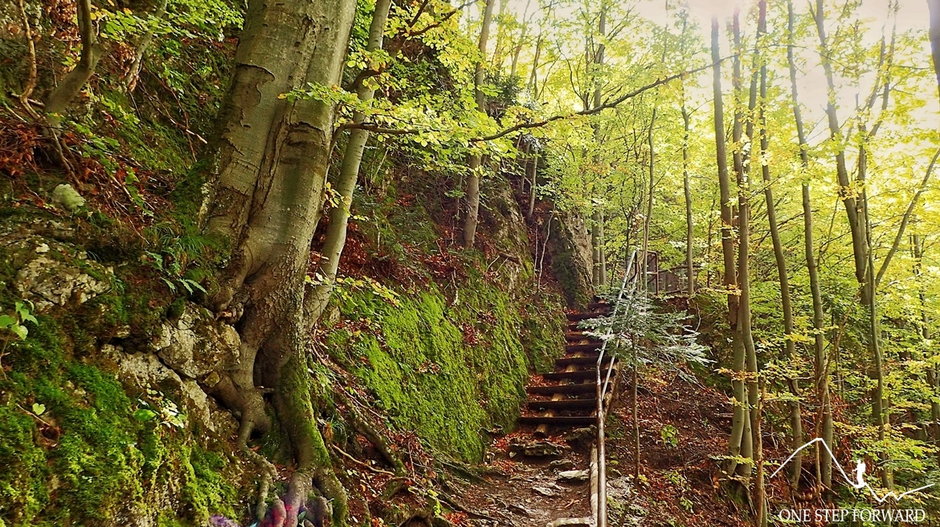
(59,99)
(475,166)
(317,299)
(847,191)
(533,168)
(517,50)
(648,209)
(533,75)
(687,191)
(744,274)
(600,187)
(821,359)
(741,417)
(265,197)
(796,418)
(933,379)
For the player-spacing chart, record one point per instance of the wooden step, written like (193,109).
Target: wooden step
(557,420)
(571,375)
(577,348)
(587,359)
(567,389)
(564,404)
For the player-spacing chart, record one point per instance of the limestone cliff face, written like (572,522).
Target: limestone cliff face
(571,257)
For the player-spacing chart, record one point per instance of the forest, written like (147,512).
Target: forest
(469,263)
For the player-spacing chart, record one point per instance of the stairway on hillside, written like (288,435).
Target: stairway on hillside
(567,396)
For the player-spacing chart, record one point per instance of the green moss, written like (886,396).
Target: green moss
(448,372)
(86,458)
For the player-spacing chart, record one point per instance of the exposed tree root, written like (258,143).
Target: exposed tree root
(364,427)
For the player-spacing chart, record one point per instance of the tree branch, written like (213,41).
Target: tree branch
(611,103)
(906,219)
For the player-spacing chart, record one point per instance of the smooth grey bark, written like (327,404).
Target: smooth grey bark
(751,436)
(267,177)
(472,195)
(91,52)
(317,299)
(821,359)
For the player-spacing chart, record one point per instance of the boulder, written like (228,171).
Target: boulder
(46,279)
(195,344)
(145,371)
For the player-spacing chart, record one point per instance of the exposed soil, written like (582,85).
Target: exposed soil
(526,491)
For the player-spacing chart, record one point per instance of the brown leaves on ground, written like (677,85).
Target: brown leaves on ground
(683,427)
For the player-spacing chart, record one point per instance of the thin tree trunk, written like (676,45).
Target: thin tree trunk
(471,220)
(741,416)
(133,72)
(59,99)
(687,190)
(597,223)
(533,179)
(514,65)
(752,432)
(821,360)
(317,300)
(933,379)
(648,212)
(533,76)
(847,192)
(796,419)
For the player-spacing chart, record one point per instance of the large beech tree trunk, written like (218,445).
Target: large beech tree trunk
(475,166)
(265,197)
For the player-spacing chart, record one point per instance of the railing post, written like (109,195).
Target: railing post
(600,513)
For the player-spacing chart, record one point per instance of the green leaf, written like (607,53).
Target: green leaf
(39,408)
(144,414)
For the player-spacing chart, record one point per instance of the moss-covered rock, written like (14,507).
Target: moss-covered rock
(450,371)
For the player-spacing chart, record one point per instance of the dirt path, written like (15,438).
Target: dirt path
(530,482)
